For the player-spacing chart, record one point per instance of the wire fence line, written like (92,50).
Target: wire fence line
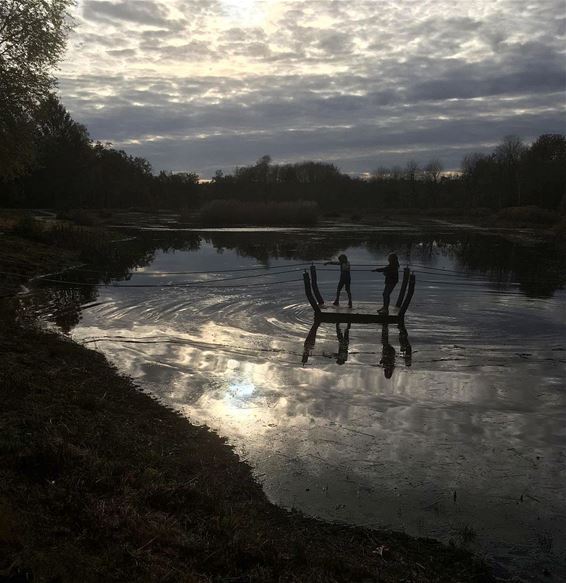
(427,277)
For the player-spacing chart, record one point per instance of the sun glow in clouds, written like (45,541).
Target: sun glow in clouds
(244,12)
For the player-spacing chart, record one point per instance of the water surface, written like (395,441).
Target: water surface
(453,427)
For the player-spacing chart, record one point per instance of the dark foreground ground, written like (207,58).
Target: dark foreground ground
(99,482)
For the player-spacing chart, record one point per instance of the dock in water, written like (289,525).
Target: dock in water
(362,312)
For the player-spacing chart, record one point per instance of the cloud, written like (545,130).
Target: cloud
(208,84)
(140,11)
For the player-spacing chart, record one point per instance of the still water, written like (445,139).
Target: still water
(454,428)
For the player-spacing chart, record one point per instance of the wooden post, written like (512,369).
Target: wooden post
(310,341)
(308,292)
(315,289)
(409,296)
(406,273)
(404,343)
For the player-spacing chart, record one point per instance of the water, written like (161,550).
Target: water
(453,428)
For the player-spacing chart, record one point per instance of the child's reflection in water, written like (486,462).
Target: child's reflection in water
(387,353)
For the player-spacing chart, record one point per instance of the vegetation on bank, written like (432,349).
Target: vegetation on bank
(92,244)
(235,212)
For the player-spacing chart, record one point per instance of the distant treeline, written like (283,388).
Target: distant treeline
(69,170)
(514,174)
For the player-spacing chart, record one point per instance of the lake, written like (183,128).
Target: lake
(452,427)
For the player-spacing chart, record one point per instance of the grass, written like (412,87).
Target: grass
(467,534)
(80,217)
(93,244)
(235,212)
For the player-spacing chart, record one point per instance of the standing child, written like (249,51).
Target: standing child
(344,278)
(391,273)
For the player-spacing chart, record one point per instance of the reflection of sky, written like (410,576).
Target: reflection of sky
(481,411)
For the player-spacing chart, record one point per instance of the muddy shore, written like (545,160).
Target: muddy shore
(100,482)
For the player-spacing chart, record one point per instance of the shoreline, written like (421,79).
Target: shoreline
(102,482)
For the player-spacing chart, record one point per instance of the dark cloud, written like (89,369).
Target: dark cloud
(139,11)
(197,84)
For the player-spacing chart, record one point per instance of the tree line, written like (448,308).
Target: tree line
(69,170)
(48,159)
(513,174)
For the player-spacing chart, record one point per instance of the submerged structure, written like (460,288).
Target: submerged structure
(324,313)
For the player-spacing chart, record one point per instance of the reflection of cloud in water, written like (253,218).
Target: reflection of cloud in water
(481,400)
(389,448)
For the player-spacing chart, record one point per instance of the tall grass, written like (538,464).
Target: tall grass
(235,212)
(79,217)
(527,215)
(92,244)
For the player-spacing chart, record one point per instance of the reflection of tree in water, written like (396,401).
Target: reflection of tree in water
(539,268)
(388,353)
(277,245)
(61,304)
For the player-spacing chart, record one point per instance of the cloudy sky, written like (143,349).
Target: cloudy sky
(205,84)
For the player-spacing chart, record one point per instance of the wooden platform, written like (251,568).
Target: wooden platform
(364,312)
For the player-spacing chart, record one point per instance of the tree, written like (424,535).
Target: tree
(32,40)
(411,170)
(545,171)
(509,155)
(433,170)
(411,173)
(62,157)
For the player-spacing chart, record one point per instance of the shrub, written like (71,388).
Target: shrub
(93,244)
(78,216)
(527,215)
(186,214)
(29,228)
(234,212)
(560,229)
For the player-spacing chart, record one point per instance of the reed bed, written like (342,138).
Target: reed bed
(235,212)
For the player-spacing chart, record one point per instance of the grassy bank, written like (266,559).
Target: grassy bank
(99,482)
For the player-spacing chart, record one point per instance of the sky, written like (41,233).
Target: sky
(201,85)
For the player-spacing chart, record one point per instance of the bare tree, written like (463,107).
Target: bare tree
(509,155)
(411,170)
(380,173)
(433,170)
